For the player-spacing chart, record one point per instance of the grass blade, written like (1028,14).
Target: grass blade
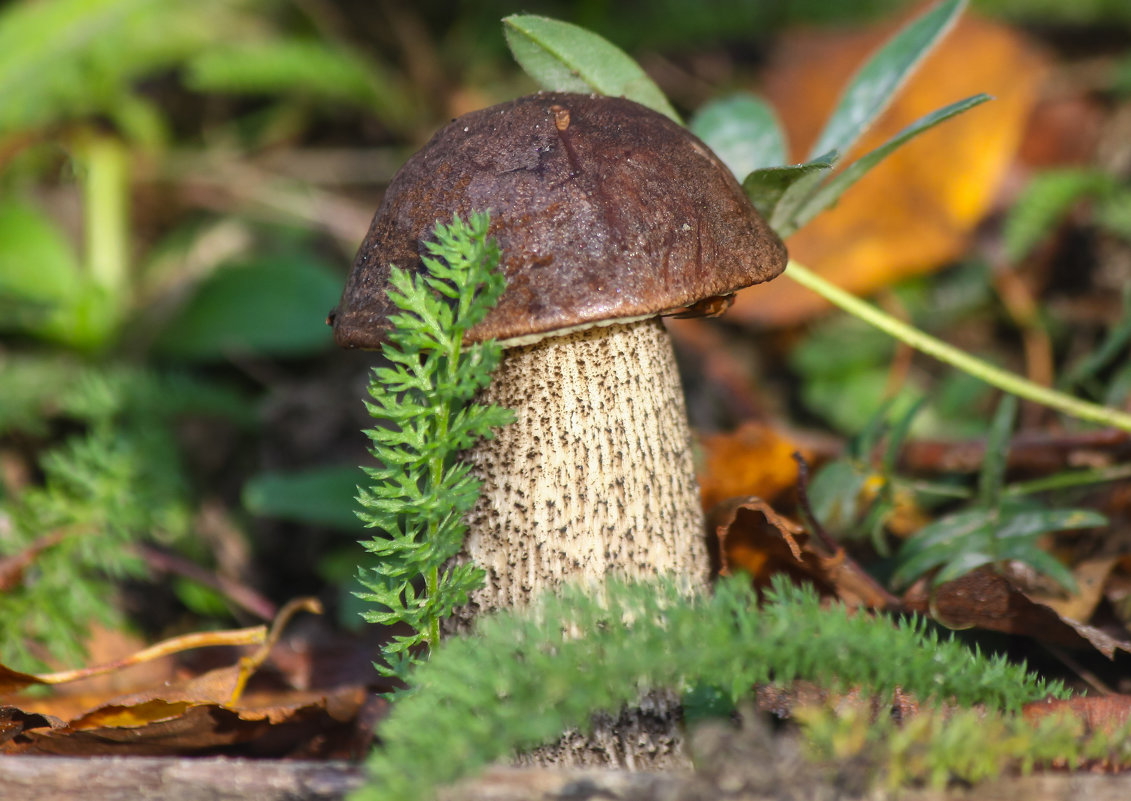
(872,88)
(830,193)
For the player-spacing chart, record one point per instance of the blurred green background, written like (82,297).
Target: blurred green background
(182,187)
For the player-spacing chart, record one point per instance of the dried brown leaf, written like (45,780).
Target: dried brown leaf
(987,599)
(753,538)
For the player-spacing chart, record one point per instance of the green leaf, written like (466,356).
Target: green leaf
(1032,523)
(960,565)
(37,262)
(743,131)
(287,66)
(992,475)
(828,194)
(898,435)
(1044,563)
(876,83)
(321,495)
(964,541)
(835,494)
(43,290)
(563,57)
(1113,344)
(777,192)
(427,415)
(945,539)
(271,307)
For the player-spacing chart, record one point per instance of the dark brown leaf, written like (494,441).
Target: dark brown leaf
(989,600)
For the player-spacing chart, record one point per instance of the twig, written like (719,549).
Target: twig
(995,376)
(806,508)
(239,594)
(12,567)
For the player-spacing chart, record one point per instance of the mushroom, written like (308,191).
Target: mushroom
(609,216)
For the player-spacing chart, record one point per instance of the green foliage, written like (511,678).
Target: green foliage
(882,75)
(319,495)
(1096,14)
(65,59)
(790,196)
(268,306)
(524,677)
(76,78)
(841,486)
(310,67)
(41,300)
(420,492)
(1047,198)
(563,57)
(995,529)
(854,496)
(828,194)
(115,482)
(777,192)
(1108,354)
(845,366)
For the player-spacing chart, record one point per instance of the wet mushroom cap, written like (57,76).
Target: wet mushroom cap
(604,211)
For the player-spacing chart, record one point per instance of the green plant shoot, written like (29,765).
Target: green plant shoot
(420,492)
(996,528)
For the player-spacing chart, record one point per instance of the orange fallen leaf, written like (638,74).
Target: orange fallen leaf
(752,460)
(917,209)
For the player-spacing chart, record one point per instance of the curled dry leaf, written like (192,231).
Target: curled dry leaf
(1091,578)
(752,537)
(918,208)
(206,713)
(987,599)
(301,724)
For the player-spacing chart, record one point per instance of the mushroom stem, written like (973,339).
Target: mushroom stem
(595,476)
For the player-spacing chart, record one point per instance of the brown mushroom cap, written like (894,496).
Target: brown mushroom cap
(604,210)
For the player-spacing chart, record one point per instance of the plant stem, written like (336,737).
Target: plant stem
(431,587)
(105,207)
(995,376)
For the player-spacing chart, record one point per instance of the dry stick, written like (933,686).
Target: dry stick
(806,507)
(255,635)
(241,595)
(995,376)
